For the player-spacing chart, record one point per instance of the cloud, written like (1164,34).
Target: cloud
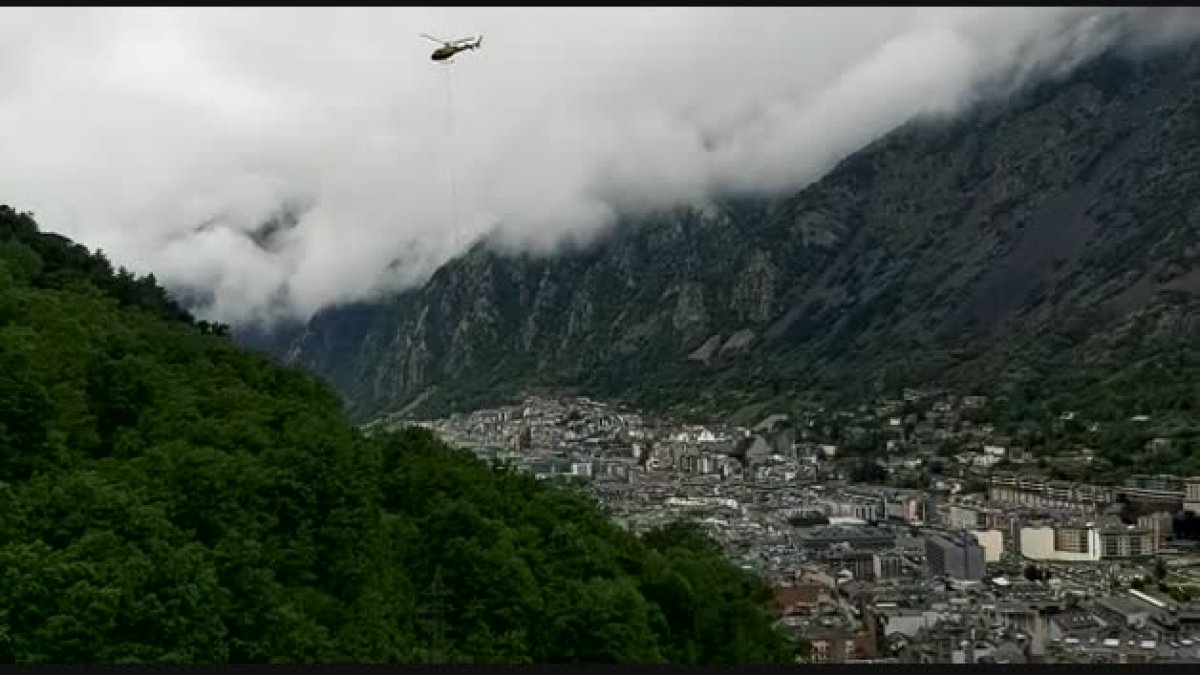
(170,138)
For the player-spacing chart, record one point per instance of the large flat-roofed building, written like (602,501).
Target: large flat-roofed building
(967,517)
(888,566)
(1063,543)
(1036,491)
(861,538)
(1164,482)
(866,508)
(992,542)
(1127,542)
(1191,495)
(1161,526)
(955,556)
(1087,543)
(860,564)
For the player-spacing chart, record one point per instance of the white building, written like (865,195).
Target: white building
(986,461)
(992,542)
(1061,544)
(964,517)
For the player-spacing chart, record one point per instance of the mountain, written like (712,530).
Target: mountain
(928,257)
(169,497)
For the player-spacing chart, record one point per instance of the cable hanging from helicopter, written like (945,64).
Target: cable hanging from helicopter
(445,54)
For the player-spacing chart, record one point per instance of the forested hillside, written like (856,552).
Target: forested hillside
(166,496)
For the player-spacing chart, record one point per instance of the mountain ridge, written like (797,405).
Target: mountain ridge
(922,253)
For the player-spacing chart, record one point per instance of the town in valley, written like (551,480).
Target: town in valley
(954,545)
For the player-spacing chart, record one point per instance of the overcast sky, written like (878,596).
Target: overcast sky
(163,136)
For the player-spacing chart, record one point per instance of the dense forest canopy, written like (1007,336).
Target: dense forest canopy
(166,496)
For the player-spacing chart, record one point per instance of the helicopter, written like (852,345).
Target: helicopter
(451,47)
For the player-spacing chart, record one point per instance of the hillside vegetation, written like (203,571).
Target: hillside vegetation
(166,496)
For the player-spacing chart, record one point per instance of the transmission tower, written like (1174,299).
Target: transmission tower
(436,611)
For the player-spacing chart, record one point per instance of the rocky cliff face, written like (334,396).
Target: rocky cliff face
(940,245)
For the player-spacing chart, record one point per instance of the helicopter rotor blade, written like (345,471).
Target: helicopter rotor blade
(430,37)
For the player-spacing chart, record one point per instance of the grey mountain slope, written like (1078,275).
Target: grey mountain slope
(938,244)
